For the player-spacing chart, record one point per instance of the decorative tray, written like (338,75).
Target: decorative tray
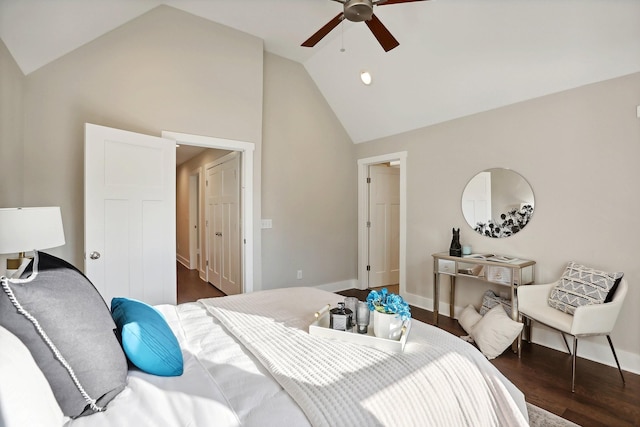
(320,327)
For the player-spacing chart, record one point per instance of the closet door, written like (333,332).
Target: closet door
(384,230)
(223,224)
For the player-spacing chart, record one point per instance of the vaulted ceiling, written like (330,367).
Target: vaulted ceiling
(456,57)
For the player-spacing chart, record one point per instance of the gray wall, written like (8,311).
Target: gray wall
(309,186)
(11,121)
(578,149)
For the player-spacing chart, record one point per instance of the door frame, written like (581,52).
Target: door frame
(246,150)
(363,209)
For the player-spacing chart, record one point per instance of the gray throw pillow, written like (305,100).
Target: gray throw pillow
(68,309)
(490,300)
(580,285)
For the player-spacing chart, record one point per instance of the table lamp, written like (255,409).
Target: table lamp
(28,229)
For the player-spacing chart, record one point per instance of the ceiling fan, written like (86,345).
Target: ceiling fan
(358,11)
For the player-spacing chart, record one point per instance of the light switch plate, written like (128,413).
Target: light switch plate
(267,223)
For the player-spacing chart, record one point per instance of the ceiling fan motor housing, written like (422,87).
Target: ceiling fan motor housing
(358,10)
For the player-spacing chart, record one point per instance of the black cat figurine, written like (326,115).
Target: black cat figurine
(456,248)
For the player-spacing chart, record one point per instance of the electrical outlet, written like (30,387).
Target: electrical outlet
(299,274)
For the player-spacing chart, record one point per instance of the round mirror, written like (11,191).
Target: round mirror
(497,202)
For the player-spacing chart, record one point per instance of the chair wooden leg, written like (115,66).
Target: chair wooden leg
(616,358)
(573,368)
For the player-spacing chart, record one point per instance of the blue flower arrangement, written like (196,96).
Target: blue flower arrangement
(385,302)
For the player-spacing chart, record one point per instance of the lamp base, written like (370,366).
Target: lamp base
(16,266)
(13,264)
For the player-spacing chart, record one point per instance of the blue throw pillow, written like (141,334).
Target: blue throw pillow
(146,337)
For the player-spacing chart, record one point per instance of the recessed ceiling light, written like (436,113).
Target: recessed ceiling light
(365,76)
(177,145)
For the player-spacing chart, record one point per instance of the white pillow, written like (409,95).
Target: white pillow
(26,398)
(468,318)
(495,332)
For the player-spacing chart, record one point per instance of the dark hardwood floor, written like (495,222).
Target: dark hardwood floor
(543,374)
(192,288)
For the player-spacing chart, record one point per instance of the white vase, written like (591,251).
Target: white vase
(387,325)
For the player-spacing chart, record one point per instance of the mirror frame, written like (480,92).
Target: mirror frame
(519,205)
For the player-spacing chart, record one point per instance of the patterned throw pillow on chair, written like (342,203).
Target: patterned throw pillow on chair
(580,285)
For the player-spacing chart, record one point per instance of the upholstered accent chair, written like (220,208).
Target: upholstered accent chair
(587,320)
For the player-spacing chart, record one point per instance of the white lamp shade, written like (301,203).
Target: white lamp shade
(27,229)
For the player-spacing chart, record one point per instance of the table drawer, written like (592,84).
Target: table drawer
(499,274)
(446,266)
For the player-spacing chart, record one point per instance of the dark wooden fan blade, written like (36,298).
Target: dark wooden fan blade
(385,38)
(396,2)
(319,35)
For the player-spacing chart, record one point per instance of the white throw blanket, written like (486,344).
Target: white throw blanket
(438,380)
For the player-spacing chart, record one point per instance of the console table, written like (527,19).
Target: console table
(507,271)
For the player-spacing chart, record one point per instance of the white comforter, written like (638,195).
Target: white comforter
(224,384)
(438,380)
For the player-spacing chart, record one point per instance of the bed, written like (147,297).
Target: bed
(250,361)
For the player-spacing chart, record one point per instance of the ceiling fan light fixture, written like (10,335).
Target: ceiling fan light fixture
(358,10)
(365,76)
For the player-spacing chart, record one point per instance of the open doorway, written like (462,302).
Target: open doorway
(389,211)
(192,245)
(245,152)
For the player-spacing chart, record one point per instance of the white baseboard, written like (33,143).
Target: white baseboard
(339,286)
(422,302)
(592,348)
(182,260)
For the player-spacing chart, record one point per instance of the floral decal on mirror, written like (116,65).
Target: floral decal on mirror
(509,224)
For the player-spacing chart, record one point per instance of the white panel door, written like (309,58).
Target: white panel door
(476,199)
(384,231)
(223,225)
(130,215)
